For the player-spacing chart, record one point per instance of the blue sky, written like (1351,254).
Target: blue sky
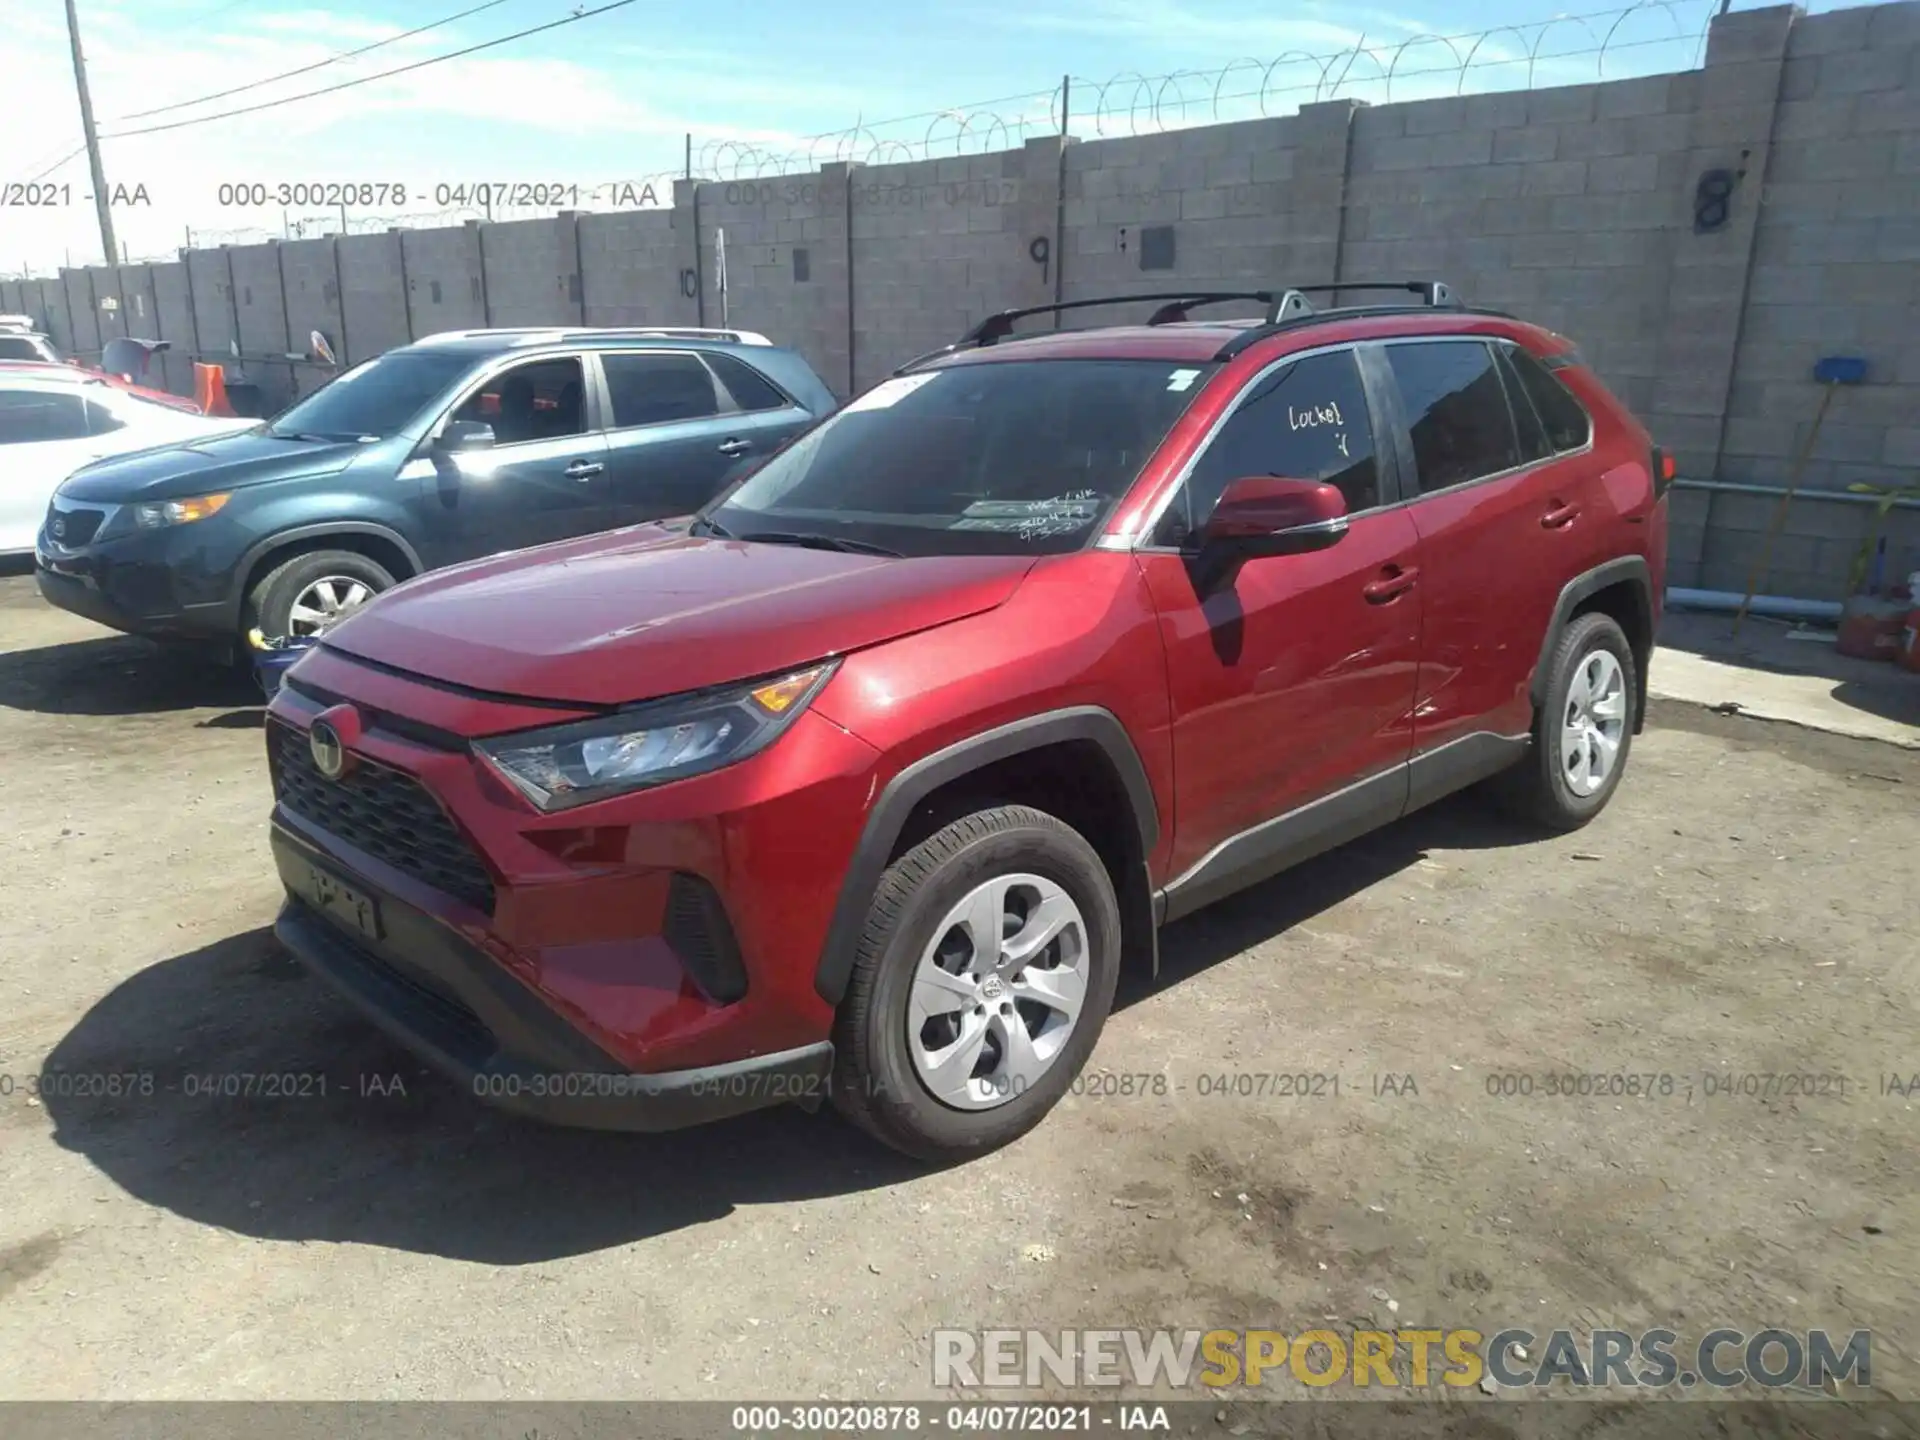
(611,97)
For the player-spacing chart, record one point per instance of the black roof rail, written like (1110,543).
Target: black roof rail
(1280,305)
(1436,294)
(1285,308)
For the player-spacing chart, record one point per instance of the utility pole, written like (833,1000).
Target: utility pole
(108,248)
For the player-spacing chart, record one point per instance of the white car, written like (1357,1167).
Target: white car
(52,423)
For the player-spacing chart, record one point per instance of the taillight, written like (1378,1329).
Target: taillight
(1663,472)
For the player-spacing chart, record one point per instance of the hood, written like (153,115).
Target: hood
(205,459)
(646,612)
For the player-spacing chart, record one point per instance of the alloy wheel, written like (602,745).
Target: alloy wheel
(324,601)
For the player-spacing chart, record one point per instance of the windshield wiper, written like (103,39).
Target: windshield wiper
(820,542)
(706,526)
(303,435)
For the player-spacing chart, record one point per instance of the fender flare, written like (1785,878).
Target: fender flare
(320,531)
(1630,568)
(889,815)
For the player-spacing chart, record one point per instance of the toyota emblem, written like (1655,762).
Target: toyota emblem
(329,754)
(59,527)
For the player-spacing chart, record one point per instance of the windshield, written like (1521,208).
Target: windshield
(374,400)
(1007,457)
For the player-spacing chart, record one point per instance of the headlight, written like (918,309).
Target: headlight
(158,513)
(651,744)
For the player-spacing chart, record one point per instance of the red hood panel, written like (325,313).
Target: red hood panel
(613,619)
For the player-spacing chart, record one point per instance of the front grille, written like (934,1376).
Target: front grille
(73,528)
(389,815)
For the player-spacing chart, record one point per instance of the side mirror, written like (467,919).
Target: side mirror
(465,435)
(1265,515)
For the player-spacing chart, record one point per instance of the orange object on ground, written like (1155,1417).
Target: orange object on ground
(210,390)
(1910,641)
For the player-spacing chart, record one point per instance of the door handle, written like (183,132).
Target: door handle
(735,447)
(1560,515)
(1390,587)
(584,469)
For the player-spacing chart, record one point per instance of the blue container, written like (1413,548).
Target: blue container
(273,658)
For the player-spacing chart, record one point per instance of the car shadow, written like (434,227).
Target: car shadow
(252,1099)
(1195,944)
(120,675)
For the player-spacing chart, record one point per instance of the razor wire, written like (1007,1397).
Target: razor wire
(1132,103)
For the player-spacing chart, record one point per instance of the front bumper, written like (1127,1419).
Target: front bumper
(155,585)
(454,1006)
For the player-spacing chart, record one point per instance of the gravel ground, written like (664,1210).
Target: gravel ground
(1746,905)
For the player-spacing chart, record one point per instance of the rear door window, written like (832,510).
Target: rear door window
(30,416)
(655,387)
(1456,408)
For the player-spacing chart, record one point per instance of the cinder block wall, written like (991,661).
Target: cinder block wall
(1580,207)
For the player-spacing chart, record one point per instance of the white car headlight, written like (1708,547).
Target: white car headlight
(651,744)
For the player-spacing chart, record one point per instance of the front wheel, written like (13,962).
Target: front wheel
(303,596)
(1584,731)
(981,983)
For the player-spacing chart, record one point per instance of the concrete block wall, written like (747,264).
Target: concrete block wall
(312,289)
(1577,206)
(532,272)
(445,287)
(173,322)
(630,269)
(374,316)
(1250,205)
(764,222)
(938,245)
(1835,271)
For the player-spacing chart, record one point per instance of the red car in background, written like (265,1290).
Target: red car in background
(126,362)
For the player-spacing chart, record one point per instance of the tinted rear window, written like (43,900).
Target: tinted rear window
(1566,420)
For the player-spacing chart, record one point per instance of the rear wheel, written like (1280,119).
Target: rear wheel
(1584,731)
(304,595)
(980,985)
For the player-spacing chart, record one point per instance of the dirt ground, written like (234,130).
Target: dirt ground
(1746,905)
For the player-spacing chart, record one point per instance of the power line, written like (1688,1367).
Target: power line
(369,79)
(316,65)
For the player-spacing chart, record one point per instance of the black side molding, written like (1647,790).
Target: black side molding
(1631,568)
(1284,841)
(912,785)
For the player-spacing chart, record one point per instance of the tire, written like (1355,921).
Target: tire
(878,1081)
(1547,788)
(271,605)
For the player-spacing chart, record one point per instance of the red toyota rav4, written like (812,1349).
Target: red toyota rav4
(866,781)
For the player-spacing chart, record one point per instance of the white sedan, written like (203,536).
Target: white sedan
(54,420)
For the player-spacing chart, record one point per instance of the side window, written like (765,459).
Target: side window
(18,347)
(1534,444)
(101,420)
(29,416)
(541,400)
(750,389)
(1566,419)
(1457,410)
(1307,421)
(649,387)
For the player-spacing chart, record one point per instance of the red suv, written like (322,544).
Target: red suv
(867,780)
